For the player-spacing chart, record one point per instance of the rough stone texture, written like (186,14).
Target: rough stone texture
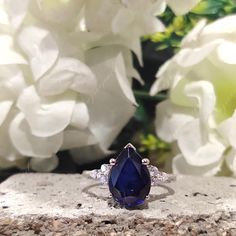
(54,204)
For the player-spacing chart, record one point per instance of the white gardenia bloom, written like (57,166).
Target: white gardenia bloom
(200,114)
(66,74)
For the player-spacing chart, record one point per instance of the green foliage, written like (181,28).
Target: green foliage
(142,113)
(150,143)
(178,26)
(155,149)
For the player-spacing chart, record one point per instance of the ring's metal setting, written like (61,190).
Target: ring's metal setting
(153,175)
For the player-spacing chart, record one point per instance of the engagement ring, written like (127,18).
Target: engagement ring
(130,177)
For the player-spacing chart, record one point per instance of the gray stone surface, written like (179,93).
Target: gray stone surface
(32,204)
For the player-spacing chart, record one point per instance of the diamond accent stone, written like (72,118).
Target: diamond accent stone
(158,177)
(102,173)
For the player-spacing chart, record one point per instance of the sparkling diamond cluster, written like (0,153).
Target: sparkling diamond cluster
(102,173)
(157,176)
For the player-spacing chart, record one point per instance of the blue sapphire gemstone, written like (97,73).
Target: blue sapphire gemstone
(129,180)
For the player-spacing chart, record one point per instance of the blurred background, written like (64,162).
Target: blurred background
(157,48)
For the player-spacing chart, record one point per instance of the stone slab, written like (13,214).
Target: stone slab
(66,199)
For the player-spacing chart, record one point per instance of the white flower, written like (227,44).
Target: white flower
(200,114)
(182,7)
(123,22)
(66,74)
(41,85)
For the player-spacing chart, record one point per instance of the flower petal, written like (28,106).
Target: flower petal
(46,116)
(8,54)
(77,138)
(231,160)
(112,109)
(80,116)
(30,145)
(14,81)
(4,18)
(228,131)
(203,95)
(6,164)
(99,14)
(189,57)
(191,39)
(122,20)
(40,47)
(226,52)
(45,164)
(158,7)
(16,11)
(69,73)
(223,28)
(5,107)
(7,150)
(196,150)
(166,76)
(124,82)
(170,118)
(181,7)
(180,166)
(114,66)
(128,61)
(152,25)
(53,10)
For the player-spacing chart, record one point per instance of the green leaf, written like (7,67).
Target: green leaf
(151,143)
(208,7)
(162,47)
(141,114)
(178,26)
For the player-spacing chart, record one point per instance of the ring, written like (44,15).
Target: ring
(130,177)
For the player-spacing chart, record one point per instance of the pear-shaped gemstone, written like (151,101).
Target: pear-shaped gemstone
(129,179)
